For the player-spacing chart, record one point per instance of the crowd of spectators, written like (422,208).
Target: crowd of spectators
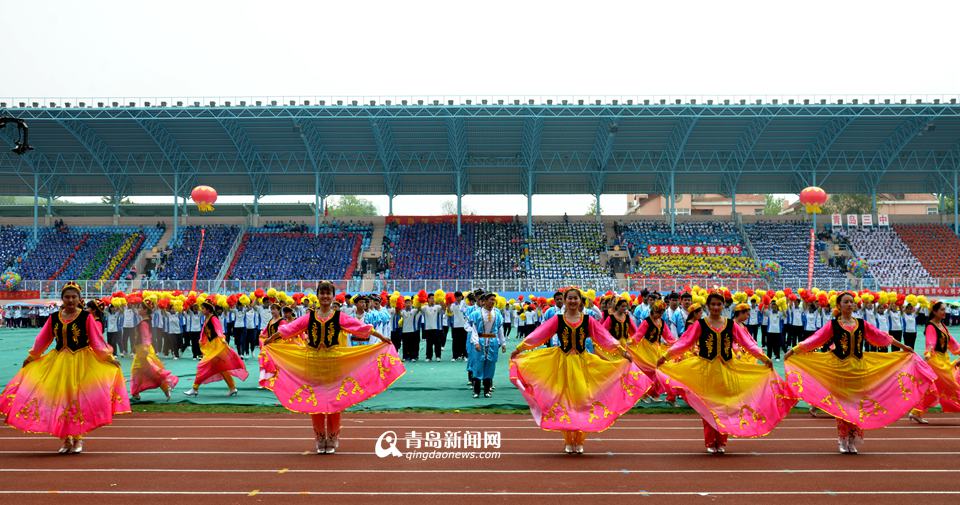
(13,246)
(788,243)
(566,250)
(935,246)
(698,266)
(429,251)
(268,254)
(82,252)
(498,252)
(180,259)
(637,235)
(888,259)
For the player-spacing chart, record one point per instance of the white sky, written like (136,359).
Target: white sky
(105,48)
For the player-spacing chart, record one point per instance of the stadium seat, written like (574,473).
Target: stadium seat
(935,246)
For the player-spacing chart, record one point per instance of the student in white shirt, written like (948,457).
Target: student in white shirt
(174,333)
(408,329)
(432,324)
(130,320)
(909,327)
(458,333)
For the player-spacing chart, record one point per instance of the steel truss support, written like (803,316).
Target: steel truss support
(389,158)
(256,169)
(530,154)
(457,146)
(103,155)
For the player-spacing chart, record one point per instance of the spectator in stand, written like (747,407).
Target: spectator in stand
(182,260)
(788,243)
(294,255)
(889,260)
(567,250)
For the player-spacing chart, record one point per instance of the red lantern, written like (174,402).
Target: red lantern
(204,197)
(813,199)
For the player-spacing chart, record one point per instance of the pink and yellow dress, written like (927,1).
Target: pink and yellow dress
(268,369)
(868,390)
(734,397)
(946,391)
(147,371)
(71,390)
(619,330)
(326,376)
(569,389)
(218,357)
(647,347)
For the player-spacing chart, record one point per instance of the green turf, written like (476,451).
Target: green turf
(437,386)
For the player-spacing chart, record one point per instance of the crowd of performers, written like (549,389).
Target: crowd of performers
(582,361)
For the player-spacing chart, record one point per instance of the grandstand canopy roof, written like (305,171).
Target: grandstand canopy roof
(494,146)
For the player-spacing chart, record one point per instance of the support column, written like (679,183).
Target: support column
(390,205)
(733,201)
(598,205)
(956,205)
(49,210)
(673,205)
(256,210)
(36,205)
(316,203)
(873,204)
(459,201)
(176,204)
(116,209)
(459,214)
(529,203)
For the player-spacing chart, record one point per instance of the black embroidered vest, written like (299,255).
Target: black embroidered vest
(273,327)
(845,342)
(620,331)
(653,333)
(323,334)
(208,330)
(72,335)
(942,341)
(572,337)
(712,344)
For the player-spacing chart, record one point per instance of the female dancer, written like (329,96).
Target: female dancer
(220,361)
(732,396)
(327,376)
(939,346)
(618,322)
(147,371)
(569,389)
(647,348)
(862,390)
(268,369)
(71,390)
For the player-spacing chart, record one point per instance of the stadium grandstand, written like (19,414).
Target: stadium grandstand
(479,146)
